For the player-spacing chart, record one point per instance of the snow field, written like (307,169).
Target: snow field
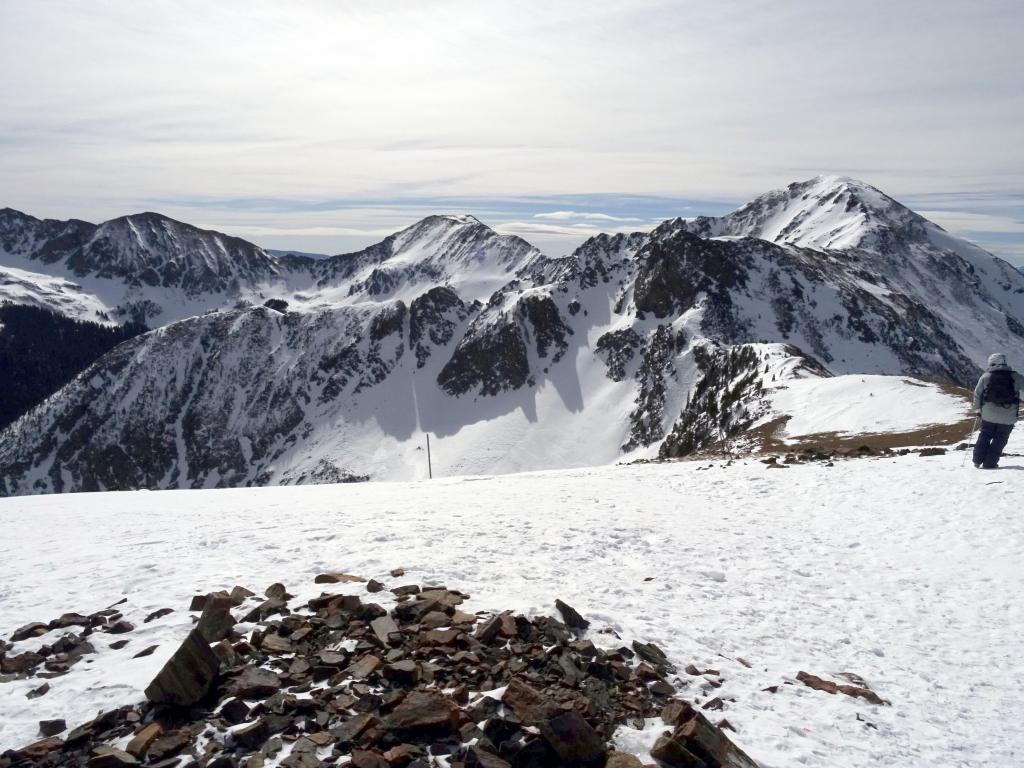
(861,405)
(905,571)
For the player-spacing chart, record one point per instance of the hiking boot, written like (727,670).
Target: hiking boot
(977,466)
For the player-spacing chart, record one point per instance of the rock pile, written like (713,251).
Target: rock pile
(426,683)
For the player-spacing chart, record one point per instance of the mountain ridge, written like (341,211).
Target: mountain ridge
(635,345)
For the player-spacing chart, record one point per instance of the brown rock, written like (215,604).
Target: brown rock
(34,629)
(52,727)
(338,578)
(240,594)
(120,627)
(364,758)
(710,743)
(572,739)
(529,705)
(622,760)
(159,614)
(277,591)
(254,683)
(275,643)
(35,693)
(676,712)
(440,636)
(673,752)
(198,603)
(105,756)
(422,712)
(405,672)
(187,676)
(397,573)
(382,627)
(363,668)
(147,651)
(251,736)
(167,745)
(354,727)
(142,740)
(70,620)
(23,662)
(477,757)
(374,586)
(570,616)
(487,631)
(215,622)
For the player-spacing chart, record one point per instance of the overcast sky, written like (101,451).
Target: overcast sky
(324,125)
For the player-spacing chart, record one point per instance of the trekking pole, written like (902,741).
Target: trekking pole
(974,425)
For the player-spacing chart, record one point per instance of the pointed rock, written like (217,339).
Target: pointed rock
(187,676)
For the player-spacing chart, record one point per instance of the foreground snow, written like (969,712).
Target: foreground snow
(905,571)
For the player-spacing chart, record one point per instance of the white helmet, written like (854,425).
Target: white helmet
(997,360)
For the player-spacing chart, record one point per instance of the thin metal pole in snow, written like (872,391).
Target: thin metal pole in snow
(430,468)
(974,426)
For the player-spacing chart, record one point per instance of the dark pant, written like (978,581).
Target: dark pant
(991,441)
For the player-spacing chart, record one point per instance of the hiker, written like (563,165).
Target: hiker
(995,399)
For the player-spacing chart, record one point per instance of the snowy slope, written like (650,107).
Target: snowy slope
(863,405)
(905,571)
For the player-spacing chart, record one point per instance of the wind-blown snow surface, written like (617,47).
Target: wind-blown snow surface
(905,571)
(861,405)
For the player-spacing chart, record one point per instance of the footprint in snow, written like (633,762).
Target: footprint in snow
(713,575)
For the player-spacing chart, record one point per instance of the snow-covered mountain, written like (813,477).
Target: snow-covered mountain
(662,342)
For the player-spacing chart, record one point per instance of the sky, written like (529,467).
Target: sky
(325,125)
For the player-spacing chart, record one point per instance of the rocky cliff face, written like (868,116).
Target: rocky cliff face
(633,344)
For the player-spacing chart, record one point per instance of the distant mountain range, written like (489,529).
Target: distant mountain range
(266,368)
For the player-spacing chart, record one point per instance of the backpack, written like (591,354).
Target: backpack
(1000,389)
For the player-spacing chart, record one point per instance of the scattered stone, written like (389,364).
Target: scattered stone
(110,757)
(148,651)
(167,745)
(529,705)
(254,683)
(860,692)
(216,622)
(383,627)
(240,594)
(35,629)
(338,578)
(117,645)
(70,620)
(277,591)
(187,676)
(52,727)
(120,627)
(37,750)
(369,686)
(622,760)
(570,616)
(198,603)
(35,693)
(142,740)
(157,615)
(422,712)
(374,586)
(932,452)
(397,573)
(572,739)
(274,643)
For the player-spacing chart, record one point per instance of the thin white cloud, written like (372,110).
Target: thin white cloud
(964,221)
(569,215)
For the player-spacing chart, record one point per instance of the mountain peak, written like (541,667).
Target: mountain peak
(827,212)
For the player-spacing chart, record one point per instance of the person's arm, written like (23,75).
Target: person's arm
(979,390)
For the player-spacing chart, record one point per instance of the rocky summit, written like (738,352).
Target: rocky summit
(261,369)
(341,680)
